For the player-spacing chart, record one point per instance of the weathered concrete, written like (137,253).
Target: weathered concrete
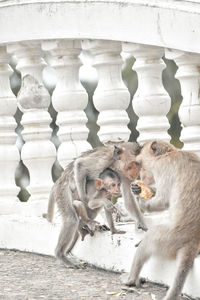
(103,250)
(168,23)
(37,277)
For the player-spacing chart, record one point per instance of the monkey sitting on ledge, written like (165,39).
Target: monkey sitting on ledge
(176,174)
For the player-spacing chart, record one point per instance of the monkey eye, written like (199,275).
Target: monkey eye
(113,184)
(137,163)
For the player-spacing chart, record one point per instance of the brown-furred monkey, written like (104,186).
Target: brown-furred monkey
(177,177)
(89,165)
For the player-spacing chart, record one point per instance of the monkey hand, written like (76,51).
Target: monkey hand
(103,228)
(115,231)
(141,225)
(93,225)
(145,191)
(135,188)
(85,200)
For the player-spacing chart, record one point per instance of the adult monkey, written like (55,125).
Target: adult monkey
(64,191)
(122,160)
(177,177)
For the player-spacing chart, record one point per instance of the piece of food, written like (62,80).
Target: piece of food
(146,192)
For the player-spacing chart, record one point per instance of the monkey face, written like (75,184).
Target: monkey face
(131,170)
(127,165)
(112,186)
(150,153)
(108,184)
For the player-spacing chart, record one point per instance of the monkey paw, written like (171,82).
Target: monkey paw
(137,283)
(115,231)
(93,225)
(103,228)
(69,263)
(142,226)
(125,279)
(135,188)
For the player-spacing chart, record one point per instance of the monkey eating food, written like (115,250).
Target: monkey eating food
(143,191)
(179,237)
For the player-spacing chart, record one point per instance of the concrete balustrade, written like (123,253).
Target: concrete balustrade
(54,33)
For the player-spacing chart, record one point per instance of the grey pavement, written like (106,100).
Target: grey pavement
(29,276)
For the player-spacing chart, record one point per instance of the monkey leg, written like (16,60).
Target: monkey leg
(82,212)
(111,223)
(67,239)
(185,258)
(131,205)
(142,254)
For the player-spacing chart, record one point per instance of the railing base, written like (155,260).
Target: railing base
(111,252)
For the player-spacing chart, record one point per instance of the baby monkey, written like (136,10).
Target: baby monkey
(78,216)
(99,191)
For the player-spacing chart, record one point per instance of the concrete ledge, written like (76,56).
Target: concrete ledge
(111,252)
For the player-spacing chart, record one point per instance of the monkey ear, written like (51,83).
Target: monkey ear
(160,148)
(138,148)
(154,147)
(98,183)
(117,152)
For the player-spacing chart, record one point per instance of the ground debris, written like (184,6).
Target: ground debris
(30,276)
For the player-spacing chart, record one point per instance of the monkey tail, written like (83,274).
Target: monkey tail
(50,209)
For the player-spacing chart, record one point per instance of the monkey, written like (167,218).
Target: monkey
(100,191)
(65,191)
(176,174)
(120,159)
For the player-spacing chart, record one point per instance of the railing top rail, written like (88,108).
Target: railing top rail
(166,23)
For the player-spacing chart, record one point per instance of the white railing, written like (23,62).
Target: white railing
(41,33)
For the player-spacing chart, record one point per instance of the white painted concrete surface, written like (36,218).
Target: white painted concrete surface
(168,23)
(111,252)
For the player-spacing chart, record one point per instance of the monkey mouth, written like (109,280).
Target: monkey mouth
(116,194)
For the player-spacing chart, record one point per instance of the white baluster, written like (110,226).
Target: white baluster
(38,152)
(151,101)
(9,154)
(188,74)
(69,99)
(111,97)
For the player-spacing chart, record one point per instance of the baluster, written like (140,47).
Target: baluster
(69,99)
(151,102)
(38,153)
(111,97)
(188,74)
(9,154)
